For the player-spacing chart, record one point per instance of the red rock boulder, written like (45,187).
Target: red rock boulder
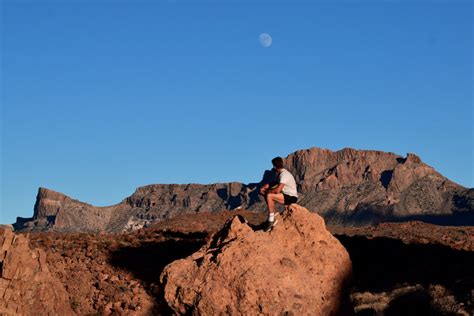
(27,287)
(298,268)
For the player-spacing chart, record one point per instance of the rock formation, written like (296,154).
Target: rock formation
(354,187)
(298,268)
(26,285)
(347,187)
(410,268)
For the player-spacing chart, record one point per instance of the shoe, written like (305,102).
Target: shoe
(269,225)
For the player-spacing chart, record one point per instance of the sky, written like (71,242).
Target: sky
(101,97)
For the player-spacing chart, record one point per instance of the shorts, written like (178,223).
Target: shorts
(289,199)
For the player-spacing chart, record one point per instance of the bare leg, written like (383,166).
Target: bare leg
(271,198)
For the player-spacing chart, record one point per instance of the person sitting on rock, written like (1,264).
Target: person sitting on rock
(282,190)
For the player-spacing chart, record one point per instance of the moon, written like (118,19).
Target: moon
(265,40)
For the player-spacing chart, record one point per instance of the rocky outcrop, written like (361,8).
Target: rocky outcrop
(26,285)
(347,187)
(148,204)
(56,210)
(298,268)
(356,187)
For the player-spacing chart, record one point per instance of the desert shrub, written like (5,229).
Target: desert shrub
(443,300)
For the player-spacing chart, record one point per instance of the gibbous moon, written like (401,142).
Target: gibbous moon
(265,40)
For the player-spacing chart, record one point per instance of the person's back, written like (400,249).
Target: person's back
(290,183)
(284,191)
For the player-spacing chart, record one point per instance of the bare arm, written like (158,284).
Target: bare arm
(278,189)
(264,189)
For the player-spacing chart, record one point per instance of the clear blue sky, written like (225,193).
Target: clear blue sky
(100,97)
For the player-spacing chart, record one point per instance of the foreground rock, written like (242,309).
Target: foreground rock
(298,268)
(398,268)
(26,285)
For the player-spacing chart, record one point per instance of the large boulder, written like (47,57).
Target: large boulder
(297,268)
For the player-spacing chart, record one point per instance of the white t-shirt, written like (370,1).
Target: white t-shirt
(289,182)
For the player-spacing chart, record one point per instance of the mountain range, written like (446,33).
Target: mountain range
(347,187)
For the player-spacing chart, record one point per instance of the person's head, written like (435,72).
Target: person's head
(277,163)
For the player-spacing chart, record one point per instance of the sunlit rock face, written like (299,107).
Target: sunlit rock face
(27,287)
(298,268)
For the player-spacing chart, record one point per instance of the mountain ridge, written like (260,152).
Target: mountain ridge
(347,187)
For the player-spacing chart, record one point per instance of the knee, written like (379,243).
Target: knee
(269,196)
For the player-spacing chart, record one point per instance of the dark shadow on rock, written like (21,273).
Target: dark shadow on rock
(183,235)
(366,214)
(401,160)
(222,193)
(253,195)
(20,222)
(379,264)
(25,223)
(385,178)
(51,219)
(147,261)
(231,202)
(363,214)
(464,202)
(224,232)
(455,219)
(257,227)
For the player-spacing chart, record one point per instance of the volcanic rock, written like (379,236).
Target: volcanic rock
(347,187)
(26,285)
(358,187)
(298,268)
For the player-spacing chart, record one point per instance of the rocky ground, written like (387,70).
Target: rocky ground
(398,268)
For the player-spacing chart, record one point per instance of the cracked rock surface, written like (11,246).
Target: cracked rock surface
(27,286)
(298,268)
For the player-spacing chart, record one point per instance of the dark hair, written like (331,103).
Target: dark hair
(277,162)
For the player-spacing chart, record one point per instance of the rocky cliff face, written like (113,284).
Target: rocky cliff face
(56,210)
(347,187)
(364,186)
(27,287)
(148,204)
